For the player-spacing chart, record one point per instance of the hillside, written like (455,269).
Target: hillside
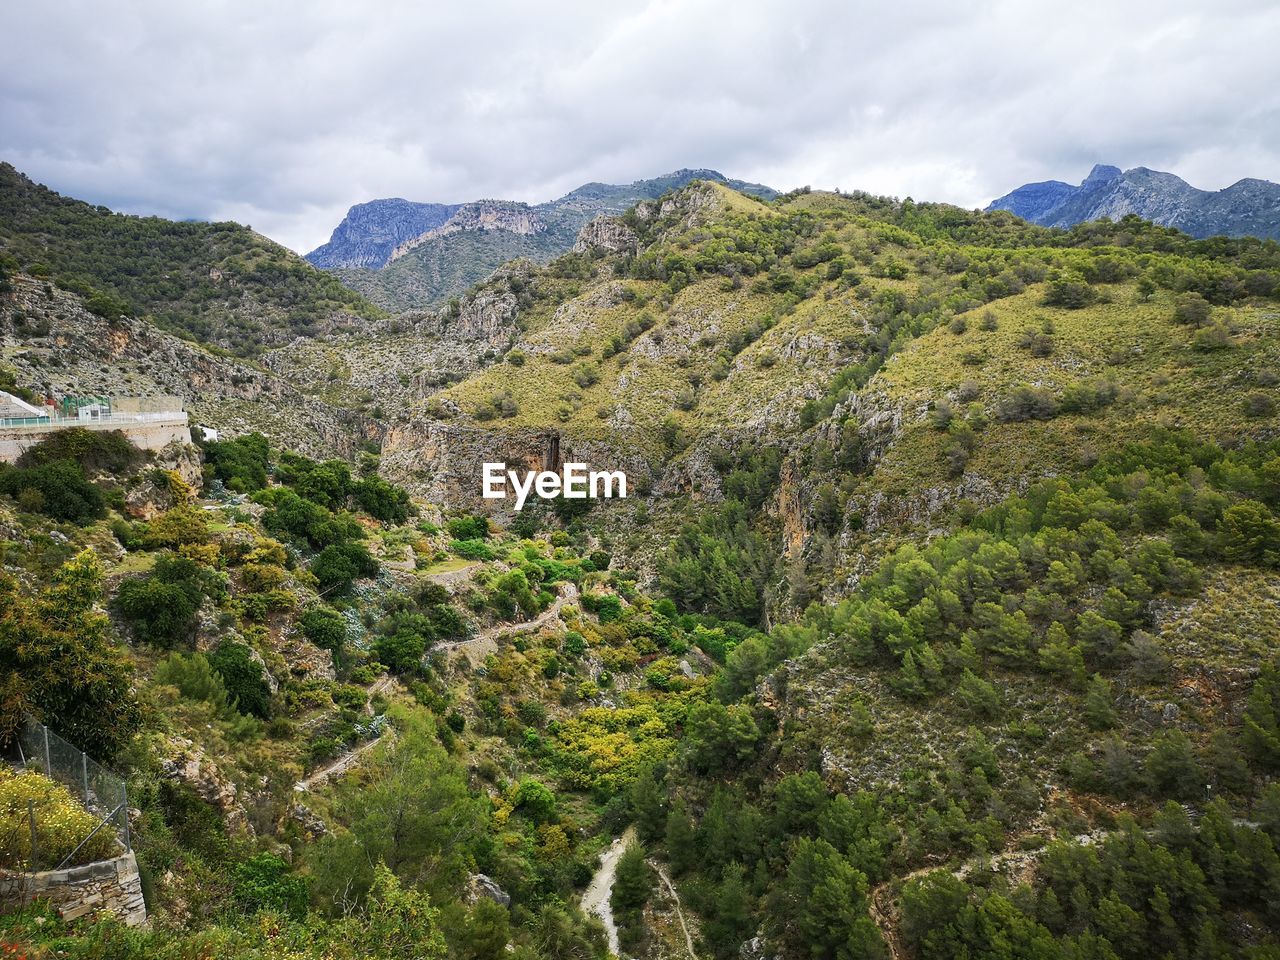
(1248,208)
(218,283)
(443,261)
(939,623)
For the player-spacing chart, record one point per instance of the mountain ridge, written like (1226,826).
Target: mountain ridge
(442,261)
(1248,207)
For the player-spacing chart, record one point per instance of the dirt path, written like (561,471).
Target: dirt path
(335,768)
(675,898)
(595,900)
(340,765)
(486,641)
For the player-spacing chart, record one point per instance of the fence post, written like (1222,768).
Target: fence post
(84,772)
(124,796)
(35,846)
(48,767)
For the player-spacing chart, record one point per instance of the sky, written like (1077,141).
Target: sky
(282,115)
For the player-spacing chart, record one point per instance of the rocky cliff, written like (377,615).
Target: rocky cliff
(371,231)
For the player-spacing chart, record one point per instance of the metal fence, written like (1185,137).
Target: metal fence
(106,420)
(101,791)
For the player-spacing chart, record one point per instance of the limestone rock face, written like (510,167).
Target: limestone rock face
(605,235)
(517,218)
(479,885)
(370,231)
(185,763)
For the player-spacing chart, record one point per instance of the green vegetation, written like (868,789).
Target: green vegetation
(219,283)
(61,824)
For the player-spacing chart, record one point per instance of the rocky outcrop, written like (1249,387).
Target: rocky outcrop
(605,235)
(518,218)
(370,231)
(185,763)
(480,886)
(443,462)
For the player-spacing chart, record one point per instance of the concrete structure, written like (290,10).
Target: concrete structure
(150,423)
(16,410)
(110,885)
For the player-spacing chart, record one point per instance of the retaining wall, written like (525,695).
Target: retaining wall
(150,434)
(110,885)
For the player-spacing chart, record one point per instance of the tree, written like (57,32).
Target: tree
(1172,768)
(1192,309)
(679,838)
(58,663)
(730,922)
(719,737)
(1250,534)
(244,678)
(1099,704)
(632,886)
(338,565)
(1260,734)
(381,500)
(58,490)
(162,607)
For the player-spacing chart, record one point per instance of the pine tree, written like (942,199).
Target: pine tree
(680,838)
(1099,709)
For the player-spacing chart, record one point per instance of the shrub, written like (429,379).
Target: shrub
(264,881)
(61,822)
(106,451)
(1208,339)
(244,678)
(324,627)
(1028,403)
(468,528)
(339,565)
(59,490)
(1192,309)
(1259,405)
(382,500)
(471,549)
(1070,292)
(241,463)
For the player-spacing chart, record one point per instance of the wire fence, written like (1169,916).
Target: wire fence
(102,791)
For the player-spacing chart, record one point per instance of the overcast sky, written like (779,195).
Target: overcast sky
(282,115)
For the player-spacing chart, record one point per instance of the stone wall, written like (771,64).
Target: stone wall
(144,434)
(111,885)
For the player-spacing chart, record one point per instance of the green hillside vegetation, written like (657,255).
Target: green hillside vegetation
(951,634)
(218,283)
(440,268)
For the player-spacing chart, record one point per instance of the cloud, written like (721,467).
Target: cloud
(282,115)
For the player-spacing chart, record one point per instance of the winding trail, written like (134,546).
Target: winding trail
(675,898)
(486,641)
(595,899)
(341,764)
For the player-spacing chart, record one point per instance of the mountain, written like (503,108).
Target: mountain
(370,231)
(938,621)
(218,283)
(444,259)
(1249,208)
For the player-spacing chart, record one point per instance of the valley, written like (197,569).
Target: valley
(939,619)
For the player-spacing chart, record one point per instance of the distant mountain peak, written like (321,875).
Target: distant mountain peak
(1102,172)
(401,268)
(1250,207)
